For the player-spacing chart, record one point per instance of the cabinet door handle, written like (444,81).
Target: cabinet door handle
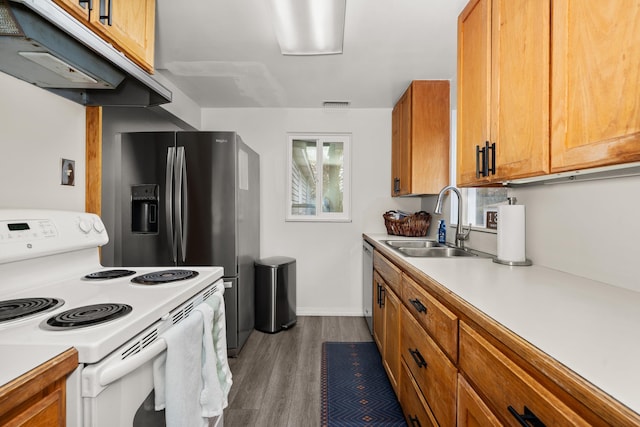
(378,294)
(414,421)
(527,419)
(418,305)
(417,357)
(108,15)
(485,159)
(478,172)
(383,291)
(396,185)
(492,168)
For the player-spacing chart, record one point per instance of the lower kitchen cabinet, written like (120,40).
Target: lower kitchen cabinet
(512,393)
(434,373)
(391,352)
(386,328)
(416,410)
(472,411)
(450,364)
(38,398)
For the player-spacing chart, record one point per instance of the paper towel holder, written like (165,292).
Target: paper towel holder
(526,262)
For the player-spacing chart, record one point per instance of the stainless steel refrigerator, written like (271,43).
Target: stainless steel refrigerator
(193,199)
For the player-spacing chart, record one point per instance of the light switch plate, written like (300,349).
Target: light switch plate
(68,172)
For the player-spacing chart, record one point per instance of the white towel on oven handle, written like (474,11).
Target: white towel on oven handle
(183,370)
(216,373)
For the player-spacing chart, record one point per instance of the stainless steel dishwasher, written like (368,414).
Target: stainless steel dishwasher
(367,283)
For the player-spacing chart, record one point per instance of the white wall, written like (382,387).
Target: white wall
(589,228)
(37,130)
(328,255)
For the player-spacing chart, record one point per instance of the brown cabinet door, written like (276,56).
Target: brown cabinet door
(520,89)
(503,90)
(391,352)
(474,88)
(130,27)
(401,145)
(472,411)
(378,310)
(595,84)
(420,139)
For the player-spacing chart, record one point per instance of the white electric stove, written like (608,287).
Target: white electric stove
(113,317)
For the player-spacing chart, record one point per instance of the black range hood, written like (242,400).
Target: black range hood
(43,45)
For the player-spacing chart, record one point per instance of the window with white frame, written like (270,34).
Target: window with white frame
(318,177)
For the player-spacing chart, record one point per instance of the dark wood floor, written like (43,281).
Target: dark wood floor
(276,377)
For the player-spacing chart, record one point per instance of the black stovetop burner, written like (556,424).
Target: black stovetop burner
(87,315)
(109,274)
(165,276)
(19,308)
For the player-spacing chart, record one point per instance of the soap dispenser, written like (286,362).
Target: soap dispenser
(442,232)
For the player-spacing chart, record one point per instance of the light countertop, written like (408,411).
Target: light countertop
(17,360)
(590,327)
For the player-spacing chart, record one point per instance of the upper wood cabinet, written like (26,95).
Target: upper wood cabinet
(420,139)
(595,84)
(128,25)
(503,90)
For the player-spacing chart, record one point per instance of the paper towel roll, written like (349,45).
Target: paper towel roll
(511,233)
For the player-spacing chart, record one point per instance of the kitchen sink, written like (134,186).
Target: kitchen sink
(435,252)
(413,243)
(431,249)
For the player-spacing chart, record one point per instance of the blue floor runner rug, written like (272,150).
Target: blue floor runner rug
(355,388)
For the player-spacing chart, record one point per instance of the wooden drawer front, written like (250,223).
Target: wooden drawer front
(415,409)
(505,385)
(389,272)
(472,412)
(436,319)
(433,371)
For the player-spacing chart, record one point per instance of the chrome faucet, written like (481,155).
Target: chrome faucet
(461,234)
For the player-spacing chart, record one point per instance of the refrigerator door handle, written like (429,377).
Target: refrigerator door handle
(171,158)
(181,198)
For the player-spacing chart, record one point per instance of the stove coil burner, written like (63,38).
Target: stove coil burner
(165,276)
(19,308)
(87,315)
(109,274)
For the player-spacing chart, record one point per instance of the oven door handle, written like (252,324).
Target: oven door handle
(110,372)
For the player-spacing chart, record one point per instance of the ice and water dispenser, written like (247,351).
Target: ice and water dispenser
(144,208)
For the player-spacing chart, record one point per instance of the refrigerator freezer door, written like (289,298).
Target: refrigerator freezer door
(144,162)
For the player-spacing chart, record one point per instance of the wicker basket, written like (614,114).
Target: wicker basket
(415,225)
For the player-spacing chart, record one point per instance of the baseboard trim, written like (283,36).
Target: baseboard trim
(323,311)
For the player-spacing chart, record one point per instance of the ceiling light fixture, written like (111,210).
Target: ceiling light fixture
(309,27)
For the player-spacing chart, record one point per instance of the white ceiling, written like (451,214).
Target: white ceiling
(224,53)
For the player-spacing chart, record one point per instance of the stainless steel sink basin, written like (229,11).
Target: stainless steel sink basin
(431,249)
(413,243)
(436,252)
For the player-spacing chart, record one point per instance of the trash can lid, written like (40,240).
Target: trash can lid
(275,261)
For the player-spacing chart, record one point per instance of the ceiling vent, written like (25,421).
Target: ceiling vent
(336,105)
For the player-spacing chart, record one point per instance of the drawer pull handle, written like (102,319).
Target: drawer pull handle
(418,305)
(527,419)
(414,421)
(417,357)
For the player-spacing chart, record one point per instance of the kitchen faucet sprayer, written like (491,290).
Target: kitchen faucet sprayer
(461,234)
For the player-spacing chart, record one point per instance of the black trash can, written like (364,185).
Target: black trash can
(275,293)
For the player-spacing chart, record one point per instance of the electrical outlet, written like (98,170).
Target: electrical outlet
(68,172)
